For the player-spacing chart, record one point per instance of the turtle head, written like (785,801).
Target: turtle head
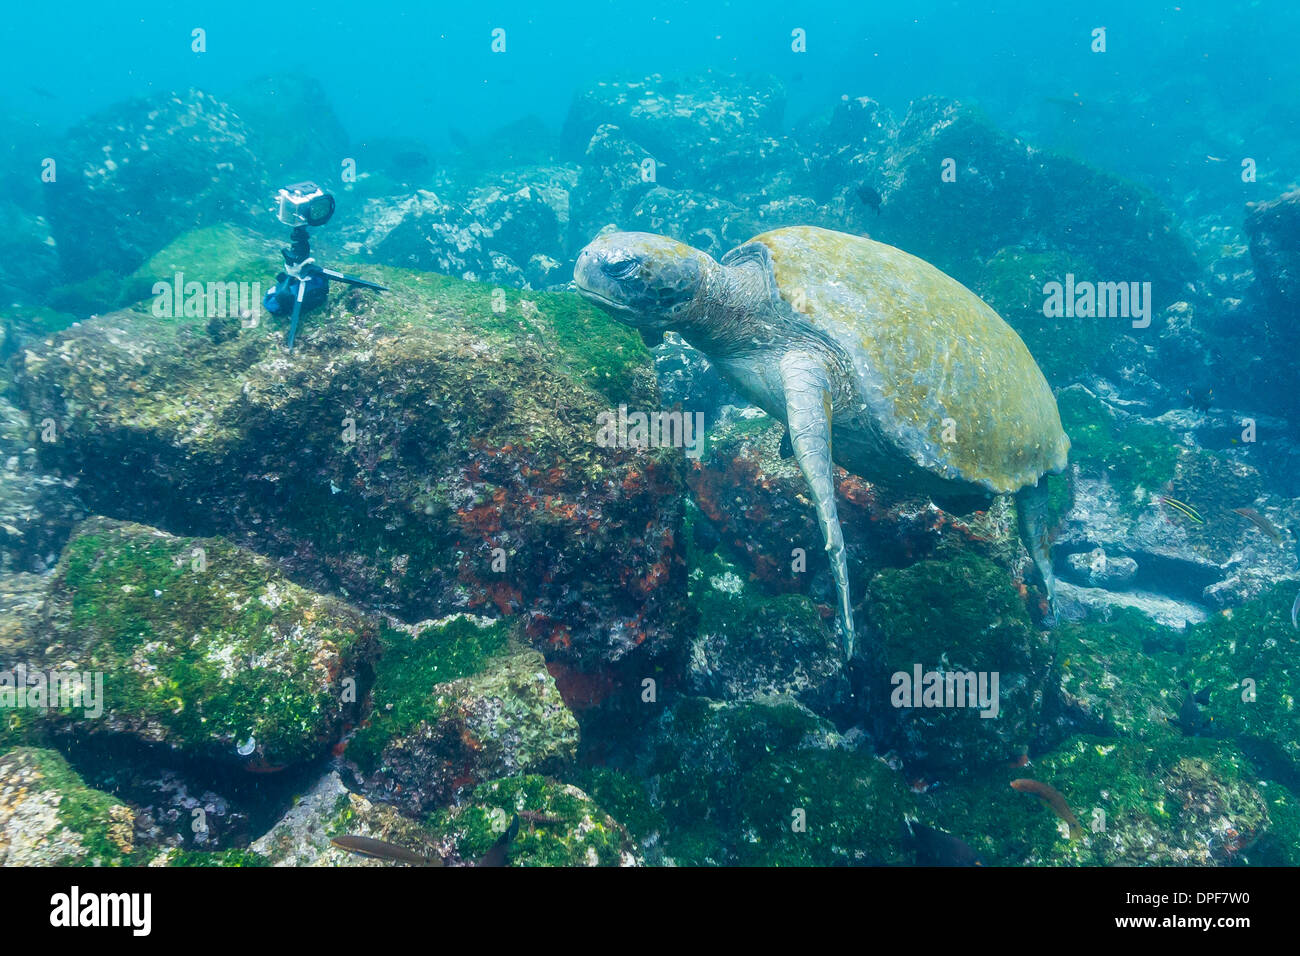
(643,280)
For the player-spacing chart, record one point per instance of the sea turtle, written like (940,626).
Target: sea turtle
(873,358)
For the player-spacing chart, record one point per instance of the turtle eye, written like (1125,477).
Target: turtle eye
(620,268)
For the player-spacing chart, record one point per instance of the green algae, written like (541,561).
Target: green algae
(1112,679)
(408,668)
(582,834)
(1171,801)
(1012,284)
(1138,458)
(1246,657)
(96,827)
(213,653)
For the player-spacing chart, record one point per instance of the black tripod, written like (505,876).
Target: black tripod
(304,285)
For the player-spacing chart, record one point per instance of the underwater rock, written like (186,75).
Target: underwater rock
(1113,678)
(21,599)
(686,376)
(49,817)
(136,175)
(302,836)
(29,257)
(959,616)
(454,705)
(196,636)
(757,504)
(766,782)
(713,132)
(612,181)
(1075,601)
(486,238)
(712,225)
(1006,193)
(1246,656)
(292,127)
(1101,570)
(38,510)
(1196,522)
(559,825)
(850,149)
(1274,231)
(418,451)
(752,645)
(1170,802)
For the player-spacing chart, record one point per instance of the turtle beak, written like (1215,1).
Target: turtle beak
(589,279)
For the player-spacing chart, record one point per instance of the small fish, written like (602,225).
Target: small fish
(1183,508)
(1200,397)
(870,197)
(937,848)
(536,817)
(383,850)
(1295,612)
(1053,798)
(1260,522)
(1190,719)
(496,856)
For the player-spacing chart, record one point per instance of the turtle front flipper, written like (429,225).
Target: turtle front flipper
(808,418)
(1031,511)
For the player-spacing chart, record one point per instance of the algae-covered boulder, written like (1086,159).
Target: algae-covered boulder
(753,645)
(204,646)
(456,703)
(1115,678)
(49,817)
(436,448)
(763,782)
(960,626)
(959,189)
(107,210)
(1169,802)
(560,825)
(1248,659)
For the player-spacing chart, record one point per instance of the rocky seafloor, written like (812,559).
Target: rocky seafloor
(390,585)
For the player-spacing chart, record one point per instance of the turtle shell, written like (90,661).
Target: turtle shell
(930,355)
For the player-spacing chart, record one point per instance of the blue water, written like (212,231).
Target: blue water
(388,68)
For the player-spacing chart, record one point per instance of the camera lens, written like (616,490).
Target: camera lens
(319,210)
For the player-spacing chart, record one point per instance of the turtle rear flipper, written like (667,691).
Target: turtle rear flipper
(1031,512)
(808,417)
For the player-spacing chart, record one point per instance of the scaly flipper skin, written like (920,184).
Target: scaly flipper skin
(808,417)
(1031,510)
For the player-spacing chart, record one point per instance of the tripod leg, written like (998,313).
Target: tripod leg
(297,311)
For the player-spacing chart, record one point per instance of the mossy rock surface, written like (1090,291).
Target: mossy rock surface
(750,644)
(1247,658)
(428,449)
(49,817)
(759,782)
(1170,802)
(959,615)
(455,704)
(1112,678)
(202,644)
(571,829)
